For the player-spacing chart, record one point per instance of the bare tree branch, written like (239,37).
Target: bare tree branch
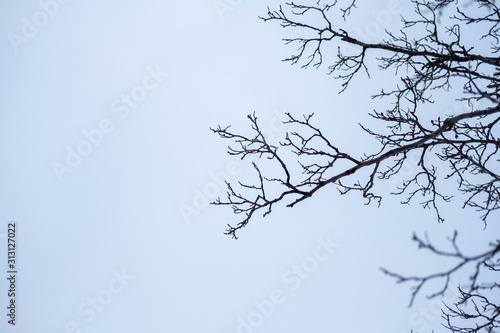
(430,53)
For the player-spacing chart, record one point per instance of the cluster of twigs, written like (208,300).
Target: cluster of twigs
(432,56)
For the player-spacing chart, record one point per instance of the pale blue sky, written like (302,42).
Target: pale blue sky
(119,209)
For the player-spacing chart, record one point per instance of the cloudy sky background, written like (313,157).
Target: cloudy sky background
(119,210)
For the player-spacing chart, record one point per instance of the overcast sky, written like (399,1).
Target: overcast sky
(108,166)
